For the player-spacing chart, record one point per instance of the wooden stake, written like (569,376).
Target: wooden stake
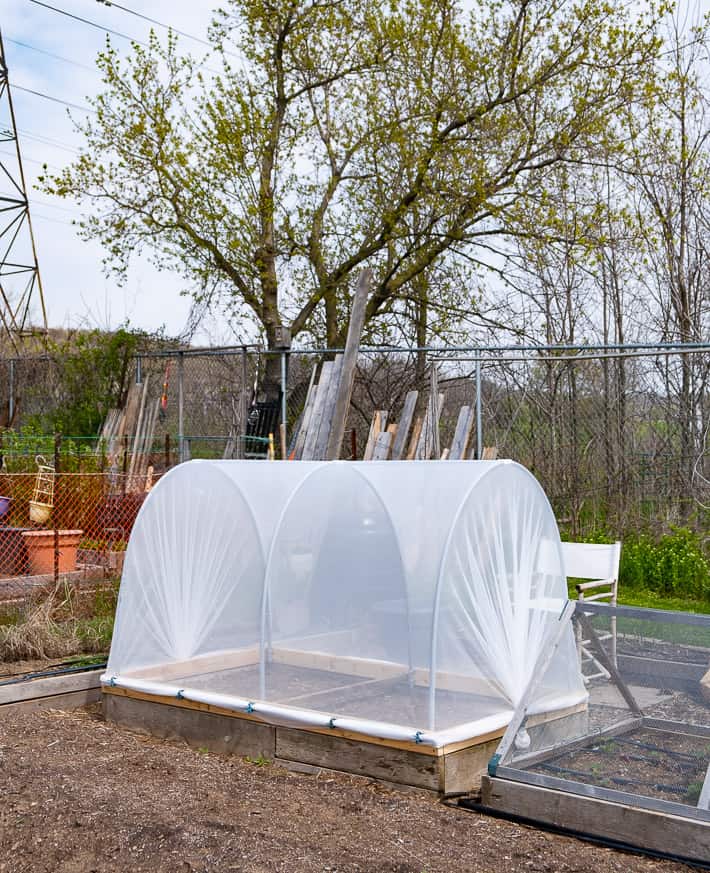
(405,424)
(347,378)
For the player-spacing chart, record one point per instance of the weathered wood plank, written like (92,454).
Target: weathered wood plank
(68,700)
(429,436)
(414,442)
(404,425)
(382,446)
(228,659)
(305,416)
(326,420)
(318,404)
(347,377)
(49,686)
(655,673)
(436,401)
(365,759)
(462,771)
(379,421)
(646,829)
(462,434)
(219,733)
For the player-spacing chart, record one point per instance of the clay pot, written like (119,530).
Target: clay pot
(40,550)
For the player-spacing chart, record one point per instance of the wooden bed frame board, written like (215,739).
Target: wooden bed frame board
(367,668)
(452,769)
(646,829)
(615,730)
(455,769)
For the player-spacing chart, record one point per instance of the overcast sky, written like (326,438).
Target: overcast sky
(76,289)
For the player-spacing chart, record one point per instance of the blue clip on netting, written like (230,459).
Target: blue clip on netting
(250,707)
(418,737)
(180,695)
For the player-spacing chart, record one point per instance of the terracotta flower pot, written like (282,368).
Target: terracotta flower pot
(40,550)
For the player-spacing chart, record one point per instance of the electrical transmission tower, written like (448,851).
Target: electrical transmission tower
(22,308)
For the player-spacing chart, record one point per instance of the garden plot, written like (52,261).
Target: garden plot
(638,771)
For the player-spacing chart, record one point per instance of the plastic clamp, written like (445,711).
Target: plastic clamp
(493,765)
(250,707)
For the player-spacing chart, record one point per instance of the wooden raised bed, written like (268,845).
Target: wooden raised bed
(452,769)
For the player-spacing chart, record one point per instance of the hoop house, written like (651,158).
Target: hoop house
(402,600)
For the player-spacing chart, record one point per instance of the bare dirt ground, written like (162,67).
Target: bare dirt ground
(79,795)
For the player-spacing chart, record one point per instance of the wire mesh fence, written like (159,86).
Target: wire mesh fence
(72,527)
(617,436)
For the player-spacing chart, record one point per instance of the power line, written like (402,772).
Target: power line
(35,48)
(53,99)
(89,23)
(32,161)
(154,21)
(45,140)
(39,217)
(174,29)
(45,204)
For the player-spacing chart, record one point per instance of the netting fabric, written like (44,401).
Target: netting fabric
(402,599)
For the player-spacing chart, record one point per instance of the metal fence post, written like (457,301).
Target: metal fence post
(181,407)
(57,473)
(11,394)
(284,388)
(479,414)
(243,406)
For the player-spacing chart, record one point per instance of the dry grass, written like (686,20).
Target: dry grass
(59,622)
(38,636)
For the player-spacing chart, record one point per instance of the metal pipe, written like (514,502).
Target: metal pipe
(11,394)
(243,405)
(181,407)
(479,413)
(284,387)
(677,348)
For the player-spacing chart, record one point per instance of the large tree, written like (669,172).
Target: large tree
(400,136)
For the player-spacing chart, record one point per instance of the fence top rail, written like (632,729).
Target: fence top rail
(647,348)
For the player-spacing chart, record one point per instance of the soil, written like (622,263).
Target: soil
(652,763)
(80,795)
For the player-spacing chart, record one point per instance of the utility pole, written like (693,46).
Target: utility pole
(22,307)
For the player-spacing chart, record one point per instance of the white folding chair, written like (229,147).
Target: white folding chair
(598,563)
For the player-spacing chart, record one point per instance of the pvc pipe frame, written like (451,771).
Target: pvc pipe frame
(273,713)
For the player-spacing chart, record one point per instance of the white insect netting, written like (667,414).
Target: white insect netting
(406,600)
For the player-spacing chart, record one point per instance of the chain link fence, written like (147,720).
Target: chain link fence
(617,436)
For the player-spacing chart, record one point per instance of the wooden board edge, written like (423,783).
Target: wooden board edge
(419,748)
(645,829)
